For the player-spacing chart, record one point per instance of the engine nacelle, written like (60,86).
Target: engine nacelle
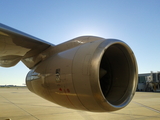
(96,76)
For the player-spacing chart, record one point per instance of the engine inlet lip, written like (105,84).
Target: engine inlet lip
(95,84)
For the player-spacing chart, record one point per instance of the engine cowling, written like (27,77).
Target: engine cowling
(96,76)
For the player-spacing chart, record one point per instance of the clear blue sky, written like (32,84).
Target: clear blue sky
(136,22)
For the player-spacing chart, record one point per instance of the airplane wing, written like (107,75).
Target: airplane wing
(86,73)
(16,45)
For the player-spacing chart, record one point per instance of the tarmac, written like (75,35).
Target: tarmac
(21,104)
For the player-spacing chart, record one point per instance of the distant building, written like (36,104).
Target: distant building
(148,81)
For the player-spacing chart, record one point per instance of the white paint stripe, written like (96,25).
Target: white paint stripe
(155,110)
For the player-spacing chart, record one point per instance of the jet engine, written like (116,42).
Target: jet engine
(95,75)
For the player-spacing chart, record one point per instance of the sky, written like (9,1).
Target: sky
(136,22)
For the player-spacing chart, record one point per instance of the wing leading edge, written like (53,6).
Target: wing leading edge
(16,45)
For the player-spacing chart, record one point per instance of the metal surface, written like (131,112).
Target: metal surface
(16,45)
(78,85)
(86,73)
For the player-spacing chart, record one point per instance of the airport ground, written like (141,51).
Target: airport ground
(21,104)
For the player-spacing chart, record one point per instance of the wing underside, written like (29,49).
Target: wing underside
(16,45)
